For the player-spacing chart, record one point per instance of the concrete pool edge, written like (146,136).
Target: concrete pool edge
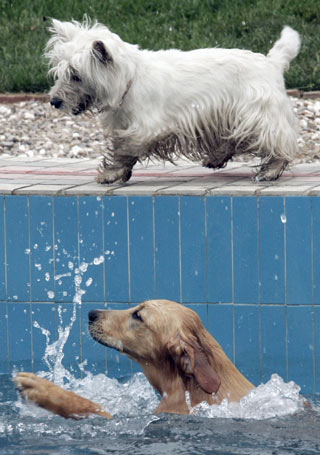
(36,176)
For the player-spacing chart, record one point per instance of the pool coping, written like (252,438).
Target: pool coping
(69,177)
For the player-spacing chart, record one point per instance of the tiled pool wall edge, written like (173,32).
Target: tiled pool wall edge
(248,265)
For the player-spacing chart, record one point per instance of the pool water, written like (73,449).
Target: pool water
(272,420)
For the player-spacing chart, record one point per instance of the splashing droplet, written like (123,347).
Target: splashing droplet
(283,218)
(89,282)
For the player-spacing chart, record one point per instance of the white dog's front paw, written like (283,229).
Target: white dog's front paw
(112,175)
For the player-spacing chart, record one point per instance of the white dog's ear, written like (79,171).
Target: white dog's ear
(63,31)
(100,52)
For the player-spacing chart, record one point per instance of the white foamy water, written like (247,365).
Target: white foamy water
(136,398)
(130,398)
(273,399)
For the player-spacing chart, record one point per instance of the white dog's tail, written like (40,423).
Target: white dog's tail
(285,49)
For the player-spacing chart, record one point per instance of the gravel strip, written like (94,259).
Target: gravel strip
(35,129)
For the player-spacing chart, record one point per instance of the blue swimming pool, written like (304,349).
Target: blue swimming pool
(247,265)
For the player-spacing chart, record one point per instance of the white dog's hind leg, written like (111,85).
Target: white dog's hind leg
(278,140)
(271,169)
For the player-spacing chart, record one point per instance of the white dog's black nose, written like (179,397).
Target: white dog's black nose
(93,316)
(56,102)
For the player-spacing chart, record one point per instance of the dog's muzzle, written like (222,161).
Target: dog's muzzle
(93,315)
(78,110)
(83,105)
(56,102)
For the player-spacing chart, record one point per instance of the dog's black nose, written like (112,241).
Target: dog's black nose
(56,102)
(93,316)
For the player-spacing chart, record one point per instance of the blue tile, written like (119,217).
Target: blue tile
(315,203)
(71,349)
(3,294)
(43,320)
(298,250)
(247,350)
(19,328)
(92,353)
(300,347)
(118,365)
(220,326)
(271,242)
(91,248)
(193,249)
(245,249)
(41,247)
(202,311)
(135,368)
(273,342)
(317,347)
(141,248)
(3,339)
(66,247)
(166,210)
(116,249)
(17,247)
(219,249)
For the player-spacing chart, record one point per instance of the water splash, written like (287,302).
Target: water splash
(273,399)
(54,354)
(131,397)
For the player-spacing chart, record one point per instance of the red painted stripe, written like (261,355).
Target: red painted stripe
(150,173)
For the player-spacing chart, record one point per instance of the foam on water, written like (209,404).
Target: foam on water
(273,399)
(132,397)
(133,401)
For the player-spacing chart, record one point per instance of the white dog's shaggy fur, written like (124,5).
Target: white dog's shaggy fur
(206,104)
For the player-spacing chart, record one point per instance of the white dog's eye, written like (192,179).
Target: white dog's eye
(75,78)
(137,316)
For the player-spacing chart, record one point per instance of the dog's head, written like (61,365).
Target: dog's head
(163,337)
(86,62)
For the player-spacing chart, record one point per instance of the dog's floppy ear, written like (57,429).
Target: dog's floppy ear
(100,52)
(192,360)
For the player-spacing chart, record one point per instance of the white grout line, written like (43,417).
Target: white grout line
(180,260)
(128,246)
(285,288)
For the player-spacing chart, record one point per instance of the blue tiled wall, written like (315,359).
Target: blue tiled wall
(249,266)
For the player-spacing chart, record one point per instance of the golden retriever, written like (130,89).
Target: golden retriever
(175,352)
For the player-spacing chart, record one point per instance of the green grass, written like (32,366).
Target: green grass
(159,24)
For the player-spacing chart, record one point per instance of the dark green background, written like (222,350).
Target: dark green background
(156,24)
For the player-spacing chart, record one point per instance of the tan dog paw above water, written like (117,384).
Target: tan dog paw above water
(55,399)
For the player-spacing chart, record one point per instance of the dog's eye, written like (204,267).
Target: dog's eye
(75,78)
(137,316)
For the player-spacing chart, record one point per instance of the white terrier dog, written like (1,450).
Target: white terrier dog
(206,104)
